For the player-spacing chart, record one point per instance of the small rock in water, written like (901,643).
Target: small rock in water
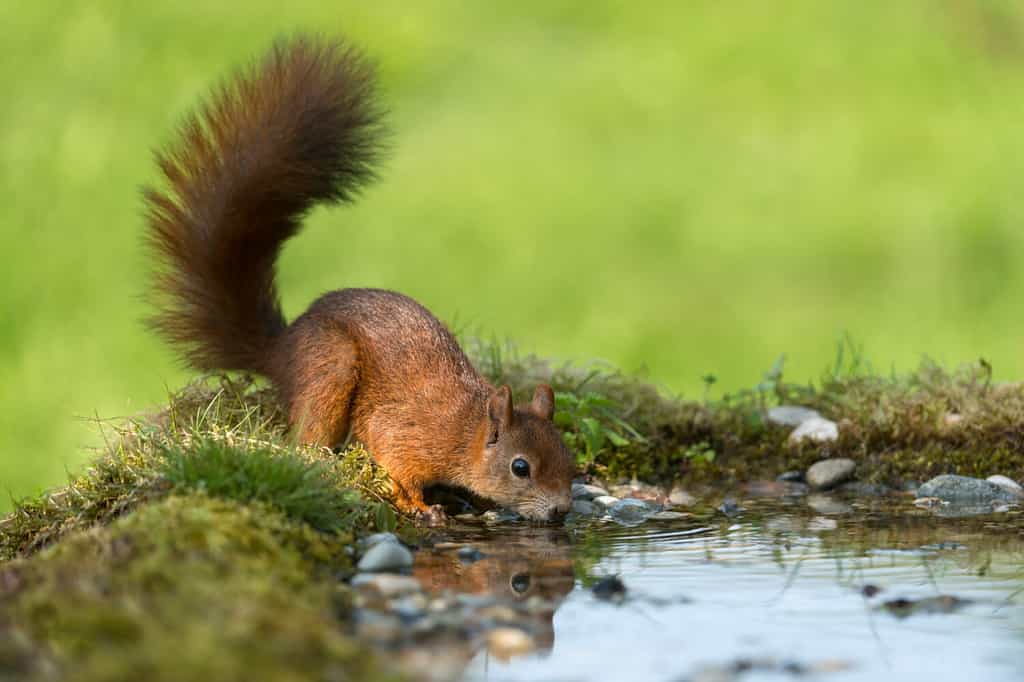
(584,491)
(680,498)
(609,588)
(388,585)
(631,511)
(506,643)
(791,415)
(729,507)
(790,477)
(817,430)
(1007,483)
(870,590)
(830,472)
(500,516)
(584,508)
(667,516)
(965,490)
(385,557)
(604,502)
(469,555)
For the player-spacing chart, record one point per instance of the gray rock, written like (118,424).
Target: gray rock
(829,473)
(965,490)
(791,415)
(1007,483)
(584,508)
(388,585)
(667,516)
(630,511)
(604,502)
(790,477)
(583,491)
(385,557)
(816,430)
(377,538)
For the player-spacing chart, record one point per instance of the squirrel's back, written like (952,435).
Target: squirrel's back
(296,129)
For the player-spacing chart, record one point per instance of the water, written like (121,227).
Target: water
(775,592)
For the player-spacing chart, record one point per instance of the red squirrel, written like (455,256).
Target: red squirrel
(298,128)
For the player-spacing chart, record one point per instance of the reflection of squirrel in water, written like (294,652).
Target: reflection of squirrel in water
(300,129)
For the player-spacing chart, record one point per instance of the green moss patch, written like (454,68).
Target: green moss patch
(189,587)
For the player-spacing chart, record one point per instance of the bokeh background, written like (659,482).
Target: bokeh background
(680,188)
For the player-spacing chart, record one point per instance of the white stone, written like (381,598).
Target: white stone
(816,429)
(1006,483)
(829,473)
(604,502)
(791,415)
(584,508)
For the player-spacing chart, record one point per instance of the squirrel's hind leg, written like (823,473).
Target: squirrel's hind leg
(324,374)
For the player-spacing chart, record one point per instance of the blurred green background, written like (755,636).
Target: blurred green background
(686,187)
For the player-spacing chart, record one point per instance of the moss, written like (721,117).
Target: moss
(189,587)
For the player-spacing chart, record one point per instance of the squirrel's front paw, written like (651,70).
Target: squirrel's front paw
(433,515)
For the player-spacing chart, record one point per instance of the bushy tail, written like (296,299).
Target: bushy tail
(298,128)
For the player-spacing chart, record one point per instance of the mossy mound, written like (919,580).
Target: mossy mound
(189,587)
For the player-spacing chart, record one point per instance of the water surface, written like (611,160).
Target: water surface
(780,590)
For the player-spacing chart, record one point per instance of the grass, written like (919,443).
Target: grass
(669,186)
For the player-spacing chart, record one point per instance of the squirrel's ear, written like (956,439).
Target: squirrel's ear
(499,409)
(543,404)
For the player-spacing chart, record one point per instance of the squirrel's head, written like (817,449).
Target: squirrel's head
(523,464)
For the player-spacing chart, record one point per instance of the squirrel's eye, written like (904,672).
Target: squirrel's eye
(520,582)
(520,467)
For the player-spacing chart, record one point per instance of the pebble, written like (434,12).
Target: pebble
(609,588)
(469,555)
(584,508)
(385,557)
(790,477)
(965,490)
(505,643)
(500,516)
(667,516)
(791,415)
(680,498)
(604,502)
(388,585)
(816,429)
(583,491)
(1006,483)
(630,511)
(830,472)
(377,538)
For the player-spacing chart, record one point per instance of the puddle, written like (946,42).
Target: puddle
(778,591)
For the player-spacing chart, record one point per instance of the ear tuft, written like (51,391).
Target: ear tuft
(543,404)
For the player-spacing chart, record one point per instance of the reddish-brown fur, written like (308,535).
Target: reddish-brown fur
(299,129)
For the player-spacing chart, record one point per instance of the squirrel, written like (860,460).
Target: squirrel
(297,128)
